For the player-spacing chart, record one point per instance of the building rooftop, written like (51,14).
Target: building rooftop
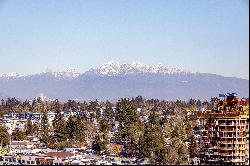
(59,154)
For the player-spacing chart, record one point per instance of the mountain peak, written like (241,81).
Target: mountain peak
(114,68)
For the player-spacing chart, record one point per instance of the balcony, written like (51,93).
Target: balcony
(242,148)
(211,153)
(240,142)
(226,142)
(226,154)
(212,160)
(232,148)
(232,124)
(237,160)
(239,154)
(227,148)
(227,130)
(232,142)
(233,136)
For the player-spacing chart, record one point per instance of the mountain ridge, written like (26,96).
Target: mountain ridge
(113,68)
(114,80)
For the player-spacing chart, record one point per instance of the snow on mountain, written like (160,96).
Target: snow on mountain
(69,73)
(113,68)
(137,78)
(9,75)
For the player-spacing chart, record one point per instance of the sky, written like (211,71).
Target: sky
(210,36)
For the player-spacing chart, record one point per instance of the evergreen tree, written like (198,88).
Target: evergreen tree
(152,141)
(80,130)
(104,125)
(130,126)
(29,129)
(172,156)
(44,127)
(104,142)
(4,136)
(97,145)
(71,128)
(18,135)
(59,126)
(36,128)
(109,113)
(181,149)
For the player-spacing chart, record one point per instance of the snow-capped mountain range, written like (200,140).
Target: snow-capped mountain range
(114,80)
(113,68)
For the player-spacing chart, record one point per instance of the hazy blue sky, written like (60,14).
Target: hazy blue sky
(201,35)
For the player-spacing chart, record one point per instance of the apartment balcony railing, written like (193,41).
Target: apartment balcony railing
(226,142)
(233,136)
(237,160)
(233,154)
(232,124)
(232,142)
(227,148)
(212,160)
(239,154)
(242,148)
(226,154)
(232,148)
(231,130)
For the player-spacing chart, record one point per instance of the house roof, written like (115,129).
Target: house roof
(59,154)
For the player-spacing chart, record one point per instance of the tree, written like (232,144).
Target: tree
(44,126)
(130,126)
(97,145)
(109,113)
(4,136)
(104,128)
(115,149)
(71,128)
(29,129)
(104,142)
(153,118)
(36,128)
(172,156)
(2,112)
(80,130)
(152,141)
(59,126)
(181,150)
(18,135)
(51,142)
(175,132)
(104,125)
(63,144)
